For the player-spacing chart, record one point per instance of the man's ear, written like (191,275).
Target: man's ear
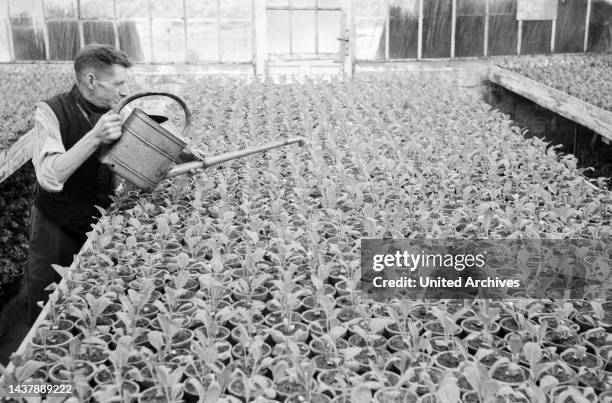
(88,78)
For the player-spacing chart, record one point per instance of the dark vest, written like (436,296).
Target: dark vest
(91,184)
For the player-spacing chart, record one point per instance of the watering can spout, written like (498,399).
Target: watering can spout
(219,159)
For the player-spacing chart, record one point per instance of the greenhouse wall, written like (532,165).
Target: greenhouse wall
(228,32)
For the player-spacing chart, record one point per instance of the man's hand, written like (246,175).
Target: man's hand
(108,128)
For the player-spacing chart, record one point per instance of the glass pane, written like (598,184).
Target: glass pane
(98,32)
(96,9)
(25,10)
(329,30)
(536,37)
(236,41)
(502,7)
(470,7)
(64,41)
(29,43)
(5,52)
(61,8)
(303,3)
(600,27)
(167,8)
(278,31)
(277,3)
(135,39)
(503,34)
(569,35)
(469,39)
(437,20)
(202,41)
(132,9)
(168,41)
(236,9)
(4,9)
(370,8)
(370,38)
(303,26)
(403,32)
(329,3)
(201,8)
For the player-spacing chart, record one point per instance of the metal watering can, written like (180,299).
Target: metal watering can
(146,152)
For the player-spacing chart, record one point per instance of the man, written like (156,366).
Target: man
(69,130)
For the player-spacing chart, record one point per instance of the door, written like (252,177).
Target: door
(307,37)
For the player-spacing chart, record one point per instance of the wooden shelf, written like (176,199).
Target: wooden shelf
(597,119)
(15,156)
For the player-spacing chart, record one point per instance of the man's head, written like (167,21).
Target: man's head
(101,74)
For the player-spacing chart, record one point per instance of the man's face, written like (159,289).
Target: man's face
(109,86)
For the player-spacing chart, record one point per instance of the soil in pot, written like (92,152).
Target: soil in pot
(510,374)
(395,395)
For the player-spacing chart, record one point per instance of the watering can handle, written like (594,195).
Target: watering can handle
(138,95)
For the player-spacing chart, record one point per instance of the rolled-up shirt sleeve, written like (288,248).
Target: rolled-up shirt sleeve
(47,147)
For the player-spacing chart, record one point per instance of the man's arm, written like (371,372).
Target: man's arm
(107,130)
(47,147)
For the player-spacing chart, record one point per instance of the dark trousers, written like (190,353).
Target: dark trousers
(49,244)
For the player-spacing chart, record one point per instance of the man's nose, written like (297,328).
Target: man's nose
(124,91)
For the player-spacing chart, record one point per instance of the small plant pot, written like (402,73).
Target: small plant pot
(569,393)
(475,325)
(599,380)
(255,330)
(563,374)
(596,339)
(378,380)
(59,324)
(313,398)
(254,304)
(330,378)
(190,393)
(575,361)
(283,349)
(553,322)
(561,340)
(377,341)
(343,289)
(321,346)
(261,293)
(509,325)
(395,395)
(436,328)
(277,317)
(128,392)
(238,351)
(588,321)
(490,359)
(221,332)
(449,360)
(181,306)
(182,339)
(482,340)
(286,387)
(393,329)
(256,318)
(205,369)
(327,361)
(50,355)
(509,374)
(82,369)
(94,354)
(183,320)
(55,338)
(417,381)
(237,388)
(313,315)
(153,395)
